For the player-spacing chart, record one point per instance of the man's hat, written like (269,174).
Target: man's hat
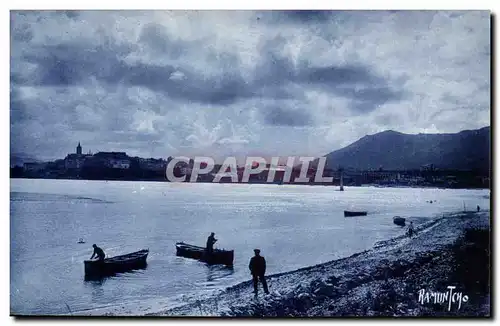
(257,251)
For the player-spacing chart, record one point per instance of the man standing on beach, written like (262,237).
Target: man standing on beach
(411,231)
(257,267)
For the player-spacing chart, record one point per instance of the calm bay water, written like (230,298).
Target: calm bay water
(294,226)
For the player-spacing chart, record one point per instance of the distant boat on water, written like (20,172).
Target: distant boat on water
(353,213)
(398,220)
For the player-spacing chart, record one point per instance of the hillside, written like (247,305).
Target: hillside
(391,150)
(21,158)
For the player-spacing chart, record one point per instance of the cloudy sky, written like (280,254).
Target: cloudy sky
(160,83)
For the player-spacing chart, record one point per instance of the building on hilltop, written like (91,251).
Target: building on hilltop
(79,149)
(76,160)
(152,164)
(34,167)
(115,160)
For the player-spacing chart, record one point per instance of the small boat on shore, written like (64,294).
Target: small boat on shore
(218,256)
(353,213)
(117,264)
(398,220)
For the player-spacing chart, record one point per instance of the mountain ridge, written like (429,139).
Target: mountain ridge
(393,150)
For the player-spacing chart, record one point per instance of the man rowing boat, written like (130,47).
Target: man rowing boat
(98,252)
(210,243)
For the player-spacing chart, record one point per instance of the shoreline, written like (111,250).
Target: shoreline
(383,281)
(374,185)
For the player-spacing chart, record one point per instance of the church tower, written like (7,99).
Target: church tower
(79,149)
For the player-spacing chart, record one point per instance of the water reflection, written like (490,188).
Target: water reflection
(102,276)
(215,272)
(96,282)
(96,287)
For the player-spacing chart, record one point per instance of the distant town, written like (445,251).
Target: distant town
(120,166)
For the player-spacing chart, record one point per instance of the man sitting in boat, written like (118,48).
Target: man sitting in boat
(98,252)
(257,268)
(210,243)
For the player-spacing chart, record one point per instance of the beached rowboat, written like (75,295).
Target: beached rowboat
(117,264)
(351,213)
(218,256)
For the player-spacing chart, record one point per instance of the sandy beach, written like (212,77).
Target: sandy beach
(442,271)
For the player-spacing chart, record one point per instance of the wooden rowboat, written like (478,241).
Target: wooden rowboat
(351,213)
(117,264)
(218,256)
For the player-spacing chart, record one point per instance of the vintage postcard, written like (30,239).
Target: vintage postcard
(271,163)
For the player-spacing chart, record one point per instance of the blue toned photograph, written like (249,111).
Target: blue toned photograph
(250,164)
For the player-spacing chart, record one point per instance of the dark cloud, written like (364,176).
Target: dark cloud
(280,92)
(358,83)
(368,99)
(18,109)
(338,75)
(303,17)
(221,90)
(75,64)
(453,99)
(279,116)
(22,33)
(275,68)
(155,37)
(72,14)
(388,119)
(43,15)
(133,137)
(308,16)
